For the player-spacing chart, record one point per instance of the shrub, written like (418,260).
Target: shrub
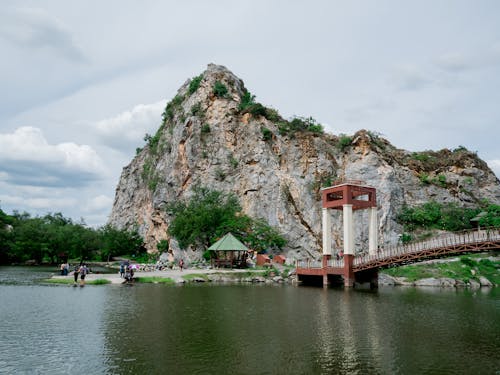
(205,129)
(233,161)
(433,215)
(220,175)
(344,142)
(424,178)
(246,101)
(467,261)
(267,134)
(220,90)
(196,110)
(256,109)
(172,106)
(299,124)
(420,156)
(194,84)
(162,246)
(272,115)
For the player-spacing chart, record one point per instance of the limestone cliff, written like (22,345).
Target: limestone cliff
(206,139)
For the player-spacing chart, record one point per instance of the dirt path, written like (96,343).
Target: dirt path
(175,274)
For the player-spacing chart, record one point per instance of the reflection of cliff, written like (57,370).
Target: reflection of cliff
(207,140)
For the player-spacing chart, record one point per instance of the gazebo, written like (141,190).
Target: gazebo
(228,251)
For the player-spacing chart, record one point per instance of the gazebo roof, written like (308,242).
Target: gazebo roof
(228,243)
(479,216)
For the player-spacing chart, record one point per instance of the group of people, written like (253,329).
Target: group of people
(127,271)
(82,271)
(64,269)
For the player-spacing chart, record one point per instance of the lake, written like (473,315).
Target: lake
(243,329)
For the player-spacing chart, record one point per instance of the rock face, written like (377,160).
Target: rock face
(206,140)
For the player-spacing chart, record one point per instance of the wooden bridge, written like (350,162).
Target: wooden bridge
(364,267)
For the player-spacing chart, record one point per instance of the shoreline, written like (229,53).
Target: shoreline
(186,276)
(189,275)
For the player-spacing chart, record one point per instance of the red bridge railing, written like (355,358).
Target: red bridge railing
(472,240)
(450,243)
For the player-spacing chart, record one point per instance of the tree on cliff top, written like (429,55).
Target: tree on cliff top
(210,214)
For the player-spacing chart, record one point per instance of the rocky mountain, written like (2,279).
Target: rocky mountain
(215,135)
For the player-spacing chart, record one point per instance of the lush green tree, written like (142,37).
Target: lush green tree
(53,238)
(6,237)
(492,218)
(434,215)
(119,242)
(210,214)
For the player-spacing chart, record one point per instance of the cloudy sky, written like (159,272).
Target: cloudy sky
(81,82)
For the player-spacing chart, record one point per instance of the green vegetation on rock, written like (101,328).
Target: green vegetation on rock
(220,90)
(434,215)
(344,142)
(465,269)
(194,84)
(210,214)
(300,124)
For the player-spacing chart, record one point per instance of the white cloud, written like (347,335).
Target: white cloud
(29,159)
(38,203)
(36,28)
(126,130)
(99,203)
(455,62)
(410,78)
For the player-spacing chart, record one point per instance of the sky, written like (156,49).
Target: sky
(82,82)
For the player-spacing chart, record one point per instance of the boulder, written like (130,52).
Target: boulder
(431,281)
(485,282)
(384,279)
(473,284)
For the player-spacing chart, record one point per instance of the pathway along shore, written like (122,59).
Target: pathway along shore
(175,274)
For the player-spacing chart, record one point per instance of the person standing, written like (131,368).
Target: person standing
(181,264)
(83,273)
(75,273)
(122,270)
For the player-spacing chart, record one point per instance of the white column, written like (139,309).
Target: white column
(372,231)
(327,232)
(348,229)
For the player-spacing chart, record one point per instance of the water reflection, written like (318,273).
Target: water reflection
(242,329)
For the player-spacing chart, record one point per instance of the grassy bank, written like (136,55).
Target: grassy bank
(466,268)
(154,280)
(70,281)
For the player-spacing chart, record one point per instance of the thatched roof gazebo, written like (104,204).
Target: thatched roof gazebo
(228,251)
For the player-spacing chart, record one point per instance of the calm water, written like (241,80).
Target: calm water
(243,329)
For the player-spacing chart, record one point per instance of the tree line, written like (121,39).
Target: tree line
(54,238)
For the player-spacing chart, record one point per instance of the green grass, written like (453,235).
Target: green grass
(467,268)
(154,280)
(71,281)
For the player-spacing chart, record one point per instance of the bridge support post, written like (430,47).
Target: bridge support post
(348,272)
(325,271)
(327,232)
(348,229)
(372,231)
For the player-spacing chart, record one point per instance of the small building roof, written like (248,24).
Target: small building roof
(479,216)
(228,243)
